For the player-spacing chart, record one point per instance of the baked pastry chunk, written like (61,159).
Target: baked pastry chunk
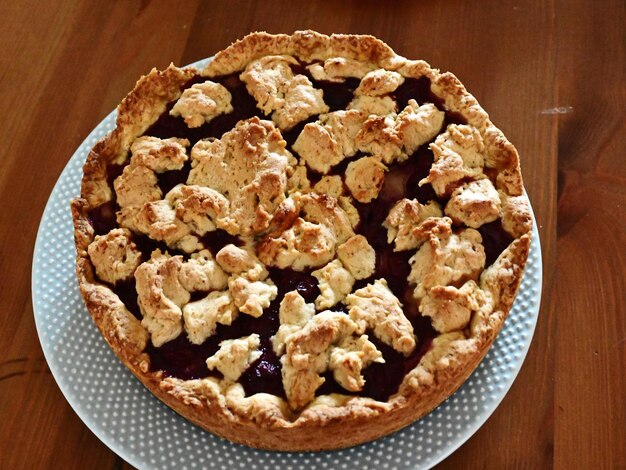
(311,235)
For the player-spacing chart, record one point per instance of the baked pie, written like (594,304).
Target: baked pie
(310,235)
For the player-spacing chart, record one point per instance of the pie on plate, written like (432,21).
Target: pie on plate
(307,245)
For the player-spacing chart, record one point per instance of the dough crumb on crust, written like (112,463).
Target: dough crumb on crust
(241,261)
(335,282)
(158,220)
(159,155)
(375,307)
(202,273)
(160,296)
(252,297)
(293,314)
(309,229)
(358,257)
(448,170)
(373,105)
(474,204)
(202,316)
(248,165)
(136,186)
(234,356)
(449,308)
(406,223)
(290,98)
(337,69)
(309,353)
(379,82)
(446,257)
(365,178)
(392,137)
(516,219)
(114,255)
(202,103)
(330,185)
(466,141)
(197,206)
(326,142)
(348,359)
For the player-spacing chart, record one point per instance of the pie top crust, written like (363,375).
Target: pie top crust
(283,215)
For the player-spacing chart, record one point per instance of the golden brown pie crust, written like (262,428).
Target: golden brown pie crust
(263,420)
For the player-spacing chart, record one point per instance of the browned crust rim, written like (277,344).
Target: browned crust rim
(271,426)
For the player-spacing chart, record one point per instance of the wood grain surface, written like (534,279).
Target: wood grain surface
(549,72)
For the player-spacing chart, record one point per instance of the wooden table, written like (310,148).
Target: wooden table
(551,75)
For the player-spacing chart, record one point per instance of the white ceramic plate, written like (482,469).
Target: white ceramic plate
(147,434)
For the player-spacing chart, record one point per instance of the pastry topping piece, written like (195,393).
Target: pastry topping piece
(324,210)
(447,169)
(329,185)
(159,155)
(344,67)
(251,297)
(417,125)
(248,165)
(515,214)
(241,261)
(365,177)
(446,258)
(392,137)
(202,316)
(450,308)
(202,102)
(114,255)
(303,245)
(198,207)
(458,155)
(325,143)
(405,223)
(379,82)
(464,140)
(290,98)
(379,138)
(358,256)
(267,79)
(136,186)
(310,228)
(318,149)
(346,203)
(293,314)
(336,69)
(201,273)
(474,204)
(335,282)
(160,296)
(348,359)
(503,272)
(309,352)
(138,182)
(373,105)
(234,356)
(158,220)
(377,308)
(298,181)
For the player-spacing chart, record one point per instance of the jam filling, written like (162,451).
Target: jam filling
(182,359)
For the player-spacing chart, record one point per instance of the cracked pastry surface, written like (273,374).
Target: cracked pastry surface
(310,233)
